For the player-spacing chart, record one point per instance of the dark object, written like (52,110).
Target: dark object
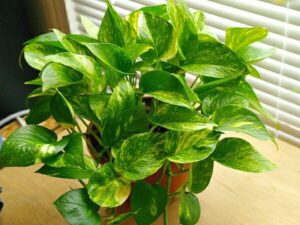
(14,31)
(1,202)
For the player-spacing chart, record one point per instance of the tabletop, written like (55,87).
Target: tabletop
(232,198)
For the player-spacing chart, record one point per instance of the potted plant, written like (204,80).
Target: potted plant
(146,124)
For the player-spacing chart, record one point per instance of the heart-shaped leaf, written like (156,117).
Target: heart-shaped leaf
(76,207)
(189,147)
(39,104)
(62,110)
(189,209)
(159,33)
(112,56)
(217,99)
(124,116)
(89,67)
(135,50)
(55,75)
(70,163)
(157,10)
(244,89)
(107,189)
(89,27)
(213,59)
(91,107)
(69,44)
(150,202)
(184,25)
(239,119)
(167,87)
(200,175)
(72,155)
(140,156)
(237,37)
(66,172)
(179,119)
(241,155)
(115,29)
(46,39)
(27,146)
(35,54)
(253,54)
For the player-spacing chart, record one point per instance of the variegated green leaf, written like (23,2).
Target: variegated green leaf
(157,10)
(244,89)
(107,189)
(72,155)
(84,64)
(135,50)
(39,104)
(168,88)
(179,118)
(90,107)
(217,99)
(200,175)
(189,147)
(239,119)
(237,37)
(184,25)
(27,146)
(35,54)
(48,39)
(159,33)
(112,56)
(150,202)
(89,27)
(189,209)
(55,75)
(213,59)
(124,116)
(140,156)
(115,29)
(69,44)
(247,92)
(66,172)
(253,54)
(76,207)
(62,110)
(241,155)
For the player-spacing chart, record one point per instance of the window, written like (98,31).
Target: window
(279,86)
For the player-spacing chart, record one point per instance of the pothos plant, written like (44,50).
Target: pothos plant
(128,83)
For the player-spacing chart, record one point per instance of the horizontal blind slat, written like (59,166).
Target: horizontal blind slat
(245,17)
(264,8)
(272,89)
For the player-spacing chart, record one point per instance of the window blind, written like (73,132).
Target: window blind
(279,86)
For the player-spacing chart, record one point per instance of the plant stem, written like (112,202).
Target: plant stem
(180,172)
(153,128)
(159,179)
(194,82)
(169,172)
(82,182)
(91,147)
(174,194)
(96,137)
(69,131)
(85,123)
